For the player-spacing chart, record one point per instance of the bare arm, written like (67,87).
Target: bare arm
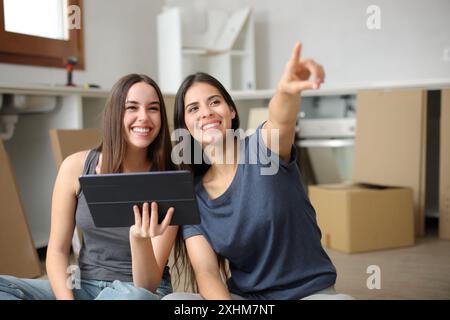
(63,224)
(151,244)
(285,104)
(206,268)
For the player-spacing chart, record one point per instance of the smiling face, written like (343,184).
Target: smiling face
(142,116)
(207,115)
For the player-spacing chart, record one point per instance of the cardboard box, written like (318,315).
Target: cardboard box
(390,143)
(358,218)
(18,256)
(444,176)
(67,142)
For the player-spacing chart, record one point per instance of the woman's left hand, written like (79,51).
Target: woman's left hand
(300,74)
(147,226)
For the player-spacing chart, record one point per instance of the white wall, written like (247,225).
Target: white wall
(409,47)
(120,37)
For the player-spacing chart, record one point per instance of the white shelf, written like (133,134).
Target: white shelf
(51,90)
(225,50)
(239,53)
(338,90)
(195,52)
(352,89)
(252,94)
(433,84)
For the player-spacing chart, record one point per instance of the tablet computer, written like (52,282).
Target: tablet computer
(110,197)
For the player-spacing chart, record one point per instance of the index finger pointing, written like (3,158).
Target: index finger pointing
(295,57)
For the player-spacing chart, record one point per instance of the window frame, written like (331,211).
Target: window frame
(39,51)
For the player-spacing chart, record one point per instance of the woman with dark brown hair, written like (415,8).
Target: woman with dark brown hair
(254,210)
(114,263)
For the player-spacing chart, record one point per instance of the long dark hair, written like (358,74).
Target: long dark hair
(113,146)
(180,252)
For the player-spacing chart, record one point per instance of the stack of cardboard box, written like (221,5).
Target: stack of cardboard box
(391,153)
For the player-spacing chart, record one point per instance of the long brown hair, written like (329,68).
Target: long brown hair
(180,250)
(114,145)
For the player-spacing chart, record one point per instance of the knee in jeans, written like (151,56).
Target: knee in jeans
(164,290)
(8,286)
(7,281)
(125,291)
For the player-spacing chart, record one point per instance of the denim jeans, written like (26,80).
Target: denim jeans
(12,288)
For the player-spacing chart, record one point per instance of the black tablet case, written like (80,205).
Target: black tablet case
(110,197)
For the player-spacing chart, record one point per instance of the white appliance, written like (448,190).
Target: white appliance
(329,145)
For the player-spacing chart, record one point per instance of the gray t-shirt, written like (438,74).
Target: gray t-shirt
(105,252)
(266,227)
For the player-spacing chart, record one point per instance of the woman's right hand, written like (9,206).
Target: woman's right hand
(300,74)
(147,226)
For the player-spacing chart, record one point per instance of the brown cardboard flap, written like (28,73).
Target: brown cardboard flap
(169,102)
(444,175)
(355,186)
(18,256)
(390,143)
(67,142)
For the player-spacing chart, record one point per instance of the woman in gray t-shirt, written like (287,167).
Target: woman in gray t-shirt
(114,263)
(254,210)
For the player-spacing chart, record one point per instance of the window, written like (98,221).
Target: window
(29,21)
(43,33)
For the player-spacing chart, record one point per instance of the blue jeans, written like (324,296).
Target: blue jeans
(12,288)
